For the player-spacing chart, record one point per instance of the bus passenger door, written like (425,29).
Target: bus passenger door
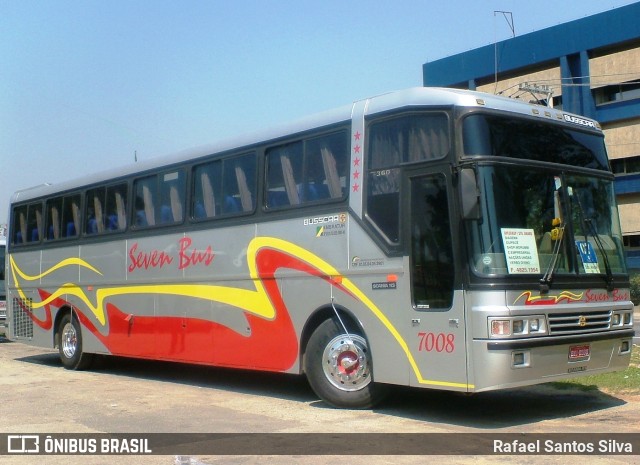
(437,315)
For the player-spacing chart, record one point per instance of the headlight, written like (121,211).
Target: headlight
(624,318)
(534,324)
(517,326)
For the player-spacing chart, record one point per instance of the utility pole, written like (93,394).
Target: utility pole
(509,20)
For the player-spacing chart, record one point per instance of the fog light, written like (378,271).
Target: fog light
(624,347)
(518,359)
(500,328)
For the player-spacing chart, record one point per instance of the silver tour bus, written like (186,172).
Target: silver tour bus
(429,237)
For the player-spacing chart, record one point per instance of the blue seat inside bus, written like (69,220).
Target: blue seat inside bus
(92,226)
(232,205)
(316,192)
(165,214)
(199,212)
(112,222)
(277,199)
(141,218)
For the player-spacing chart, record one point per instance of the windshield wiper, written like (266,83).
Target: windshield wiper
(547,278)
(587,226)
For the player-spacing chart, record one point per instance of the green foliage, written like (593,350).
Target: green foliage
(619,382)
(635,289)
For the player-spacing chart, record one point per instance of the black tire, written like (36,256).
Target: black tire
(338,367)
(70,345)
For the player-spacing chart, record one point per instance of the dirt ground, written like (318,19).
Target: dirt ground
(131,396)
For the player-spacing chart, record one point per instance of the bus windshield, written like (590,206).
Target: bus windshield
(544,221)
(533,140)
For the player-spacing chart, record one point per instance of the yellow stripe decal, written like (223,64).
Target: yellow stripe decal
(254,302)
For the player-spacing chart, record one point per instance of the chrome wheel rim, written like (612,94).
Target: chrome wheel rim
(69,340)
(346,363)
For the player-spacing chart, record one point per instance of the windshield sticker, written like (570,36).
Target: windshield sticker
(588,256)
(521,250)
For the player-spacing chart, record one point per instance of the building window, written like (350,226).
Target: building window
(617,93)
(632,241)
(623,166)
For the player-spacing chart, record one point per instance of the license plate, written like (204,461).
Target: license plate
(576,352)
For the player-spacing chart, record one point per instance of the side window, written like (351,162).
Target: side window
(63,217)
(94,211)
(431,246)
(146,198)
(207,191)
(326,167)
(239,184)
(54,220)
(284,175)
(307,171)
(27,224)
(224,187)
(71,216)
(392,142)
(105,209)
(159,199)
(171,197)
(116,208)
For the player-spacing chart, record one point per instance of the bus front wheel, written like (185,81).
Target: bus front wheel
(70,344)
(338,367)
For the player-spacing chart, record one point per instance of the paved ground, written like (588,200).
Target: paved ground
(129,396)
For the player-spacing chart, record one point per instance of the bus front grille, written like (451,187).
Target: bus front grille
(22,322)
(575,323)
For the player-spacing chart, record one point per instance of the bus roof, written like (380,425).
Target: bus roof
(413,97)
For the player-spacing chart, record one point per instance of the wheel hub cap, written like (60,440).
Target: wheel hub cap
(346,363)
(69,340)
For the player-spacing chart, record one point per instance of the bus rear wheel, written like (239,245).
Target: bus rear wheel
(70,344)
(338,367)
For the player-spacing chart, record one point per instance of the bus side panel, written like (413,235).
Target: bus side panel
(27,321)
(385,305)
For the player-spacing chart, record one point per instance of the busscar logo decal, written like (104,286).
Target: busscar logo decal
(579,121)
(323,220)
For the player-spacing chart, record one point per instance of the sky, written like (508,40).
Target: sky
(89,85)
